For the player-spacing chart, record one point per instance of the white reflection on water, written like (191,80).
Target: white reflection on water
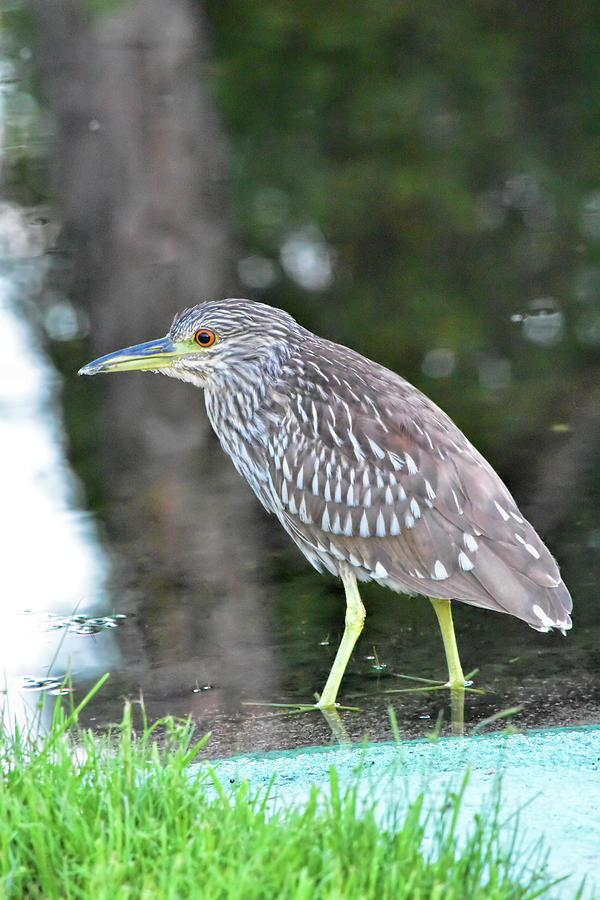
(52,563)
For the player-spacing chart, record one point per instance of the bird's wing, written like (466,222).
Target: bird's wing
(371,473)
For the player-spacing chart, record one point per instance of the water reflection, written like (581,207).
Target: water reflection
(53,570)
(180,650)
(543,323)
(204,635)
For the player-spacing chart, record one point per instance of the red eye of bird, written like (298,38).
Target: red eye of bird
(205,337)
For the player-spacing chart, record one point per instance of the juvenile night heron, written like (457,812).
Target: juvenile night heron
(368,476)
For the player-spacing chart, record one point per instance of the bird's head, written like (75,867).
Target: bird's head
(210,342)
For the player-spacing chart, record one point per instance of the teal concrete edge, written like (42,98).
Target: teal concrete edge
(583,741)
(548,781)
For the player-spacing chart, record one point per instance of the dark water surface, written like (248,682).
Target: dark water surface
(553,681)
(82,596)
(77,605)
(166,658)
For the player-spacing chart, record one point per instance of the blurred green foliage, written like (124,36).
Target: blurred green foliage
(25,127)
(405,178)
(442,160)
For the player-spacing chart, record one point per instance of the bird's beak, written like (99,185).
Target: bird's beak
(160,354)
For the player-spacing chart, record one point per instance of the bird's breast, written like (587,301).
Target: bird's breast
(241,421)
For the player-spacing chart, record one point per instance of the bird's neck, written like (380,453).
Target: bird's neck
(239,405)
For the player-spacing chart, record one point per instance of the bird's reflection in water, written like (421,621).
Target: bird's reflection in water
(334,715)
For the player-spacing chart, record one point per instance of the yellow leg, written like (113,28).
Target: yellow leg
(444,614)
(355,617)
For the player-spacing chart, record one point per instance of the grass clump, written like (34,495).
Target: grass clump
(123,816)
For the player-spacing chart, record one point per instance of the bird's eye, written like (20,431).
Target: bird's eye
(205,338)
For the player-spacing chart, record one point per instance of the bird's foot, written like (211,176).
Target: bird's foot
(429,684)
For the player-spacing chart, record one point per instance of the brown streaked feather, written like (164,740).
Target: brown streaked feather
(364,450)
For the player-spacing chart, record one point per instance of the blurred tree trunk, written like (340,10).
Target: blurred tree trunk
(139,167)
